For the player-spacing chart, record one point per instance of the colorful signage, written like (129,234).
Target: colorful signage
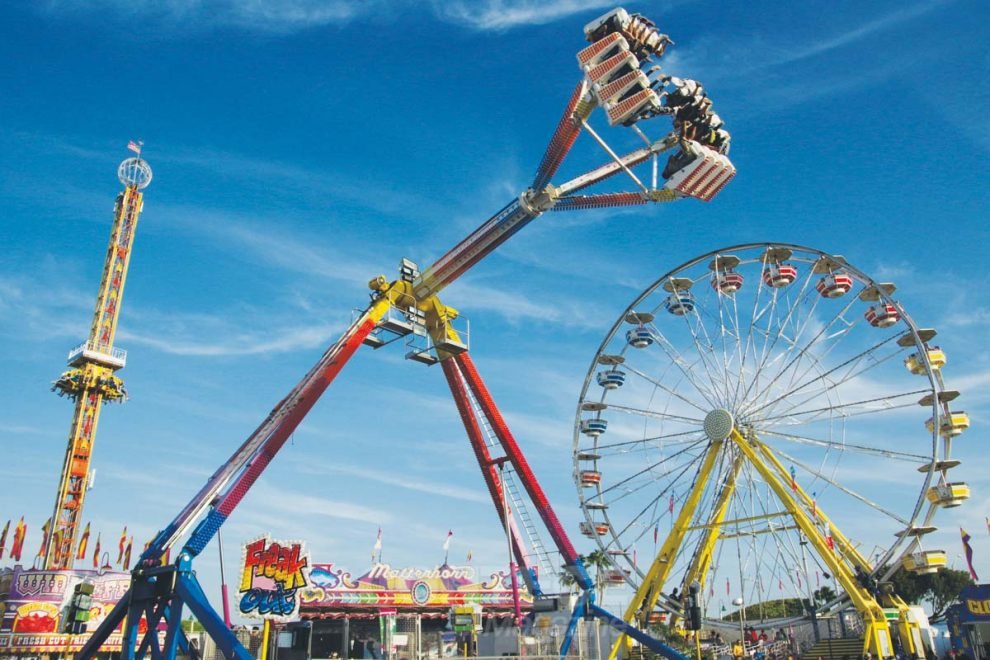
(34,602)
(273,574)
(385,588)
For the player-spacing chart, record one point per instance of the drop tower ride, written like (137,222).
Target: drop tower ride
(91,378)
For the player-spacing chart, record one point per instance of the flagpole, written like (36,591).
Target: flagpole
(223,584)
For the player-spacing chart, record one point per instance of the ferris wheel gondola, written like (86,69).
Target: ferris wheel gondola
(766,434)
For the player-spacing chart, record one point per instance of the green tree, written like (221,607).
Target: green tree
(940,589)
(824,595)
(600,562)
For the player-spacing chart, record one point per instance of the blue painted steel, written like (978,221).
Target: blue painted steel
(654,645)
(576,615)
(205,530)
(107,626)
(191,593)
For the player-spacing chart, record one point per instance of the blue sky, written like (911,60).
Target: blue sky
(300,149)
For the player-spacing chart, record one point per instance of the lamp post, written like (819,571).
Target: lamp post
(738,602)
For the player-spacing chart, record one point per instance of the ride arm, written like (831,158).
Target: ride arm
(235,477)
(572,562)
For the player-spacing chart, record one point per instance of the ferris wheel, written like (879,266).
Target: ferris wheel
(759,419)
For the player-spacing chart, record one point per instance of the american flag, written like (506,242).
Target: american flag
(135,147)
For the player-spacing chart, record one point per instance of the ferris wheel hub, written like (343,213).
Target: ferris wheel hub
(718,424)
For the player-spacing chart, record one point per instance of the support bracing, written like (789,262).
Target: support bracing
(461,376)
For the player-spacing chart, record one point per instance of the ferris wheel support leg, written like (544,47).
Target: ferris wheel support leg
(877,631)
(907,628)
(648,592)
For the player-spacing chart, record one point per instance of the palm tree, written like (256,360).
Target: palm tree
(600,561)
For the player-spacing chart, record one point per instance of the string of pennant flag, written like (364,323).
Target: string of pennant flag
(15,551)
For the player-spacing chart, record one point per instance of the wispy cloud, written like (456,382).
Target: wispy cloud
(858,33)
(279,341)
(285,503)
(289,16)
(255,15)
(508,14)
(399,478)
(733,63)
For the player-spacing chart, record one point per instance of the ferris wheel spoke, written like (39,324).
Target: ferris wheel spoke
(653,414)
(677,359)
(724,331)
(842,446)
(654,438)
(655,465)
(811,343)
(843,409)
(851,363)
(848,491)
(702,350)
(655,382)
(768,344)
(801,325)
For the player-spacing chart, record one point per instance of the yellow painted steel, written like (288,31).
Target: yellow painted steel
(648,592)
(908,630)
(877,631)
(703,558)
(91,382)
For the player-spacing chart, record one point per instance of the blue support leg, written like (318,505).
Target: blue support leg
(576,615)
(654,645)
(105,629)
(192,594)
(174,636)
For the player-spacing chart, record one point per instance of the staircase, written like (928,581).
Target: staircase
(839,648)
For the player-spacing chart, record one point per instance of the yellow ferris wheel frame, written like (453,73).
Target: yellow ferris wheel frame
(841,557)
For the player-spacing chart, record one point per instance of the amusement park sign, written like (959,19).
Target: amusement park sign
(442,572)
(273,573)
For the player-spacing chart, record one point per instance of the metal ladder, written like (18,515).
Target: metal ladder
(518,503)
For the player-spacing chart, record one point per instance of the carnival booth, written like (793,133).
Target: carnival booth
(403,612)
(969,622)
(53,612)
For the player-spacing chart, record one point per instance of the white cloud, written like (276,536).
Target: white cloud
(289,16)
(735,63)
(280,340)
(254,15)
(508,14)
(397,477)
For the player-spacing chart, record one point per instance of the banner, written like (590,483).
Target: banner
(273,573)
(385,586)
(37,600)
